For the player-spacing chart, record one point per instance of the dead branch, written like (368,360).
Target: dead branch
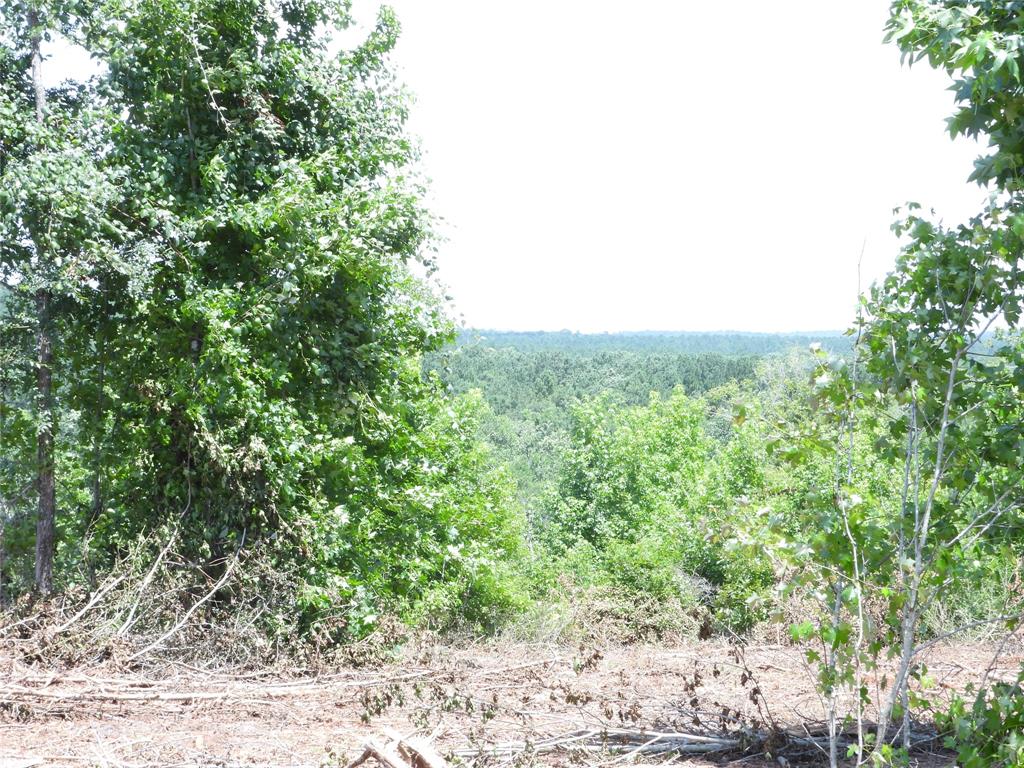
(385,755)
(418,752)
(194,607)
(130,620)
(88,606)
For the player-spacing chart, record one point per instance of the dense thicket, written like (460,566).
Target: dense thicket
(222,222)
(630,466)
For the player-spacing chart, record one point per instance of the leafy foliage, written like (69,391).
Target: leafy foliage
(531,382)
(988,731)
(921,428)
(640,503)
(240,329)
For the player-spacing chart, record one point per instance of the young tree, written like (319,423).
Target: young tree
(933,386)
(960,385)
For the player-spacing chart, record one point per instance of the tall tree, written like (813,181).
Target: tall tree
(266,385)
(57,192)
(45,481)
(224,223)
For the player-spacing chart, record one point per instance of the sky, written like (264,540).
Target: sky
(658,165)
(671,165)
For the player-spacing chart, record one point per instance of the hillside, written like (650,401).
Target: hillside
(531,381)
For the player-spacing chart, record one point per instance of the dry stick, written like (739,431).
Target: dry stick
(130,620)
(423,754)
(636,751)
(626,738)
(681,746)
(524,665)
(417,751)
(195,606)
(13,693)
(88,606)
(58,759)
(381,753)
(10,627)
(240,693)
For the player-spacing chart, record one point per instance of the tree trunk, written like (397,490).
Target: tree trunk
(45,482)
(44,449)
(97,455)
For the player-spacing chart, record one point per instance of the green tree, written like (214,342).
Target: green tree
(58,230)
(931,386)
(245,372)
(629,467)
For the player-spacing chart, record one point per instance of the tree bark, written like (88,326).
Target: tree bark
(45,533)
(97,457)
(45,481)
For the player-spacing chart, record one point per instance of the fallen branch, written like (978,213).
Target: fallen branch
(383,754)
(115,690)
(634,743)
(88,606)
(195,606)
(618,740)
(400,752)
(418,752)
(128,622)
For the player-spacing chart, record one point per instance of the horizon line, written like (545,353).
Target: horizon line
(649,331)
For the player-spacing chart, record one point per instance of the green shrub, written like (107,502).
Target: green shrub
(742,599)
(989,731)
(651,567)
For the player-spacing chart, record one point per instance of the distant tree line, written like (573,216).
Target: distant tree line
(532,381)
(673,342)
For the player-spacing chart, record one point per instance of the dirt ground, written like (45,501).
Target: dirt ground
(479,705)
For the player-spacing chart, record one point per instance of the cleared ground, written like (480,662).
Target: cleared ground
(482,705)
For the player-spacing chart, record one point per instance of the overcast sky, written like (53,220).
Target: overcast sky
(608,166)
(671,165)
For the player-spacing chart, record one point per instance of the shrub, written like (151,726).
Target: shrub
(989,731)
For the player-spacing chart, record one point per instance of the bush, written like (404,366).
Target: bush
(604,614)
(742,600)
(989,731)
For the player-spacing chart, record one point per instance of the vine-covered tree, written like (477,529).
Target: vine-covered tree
(243,374)
(57,235)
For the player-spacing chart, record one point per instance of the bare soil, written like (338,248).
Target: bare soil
(480,705)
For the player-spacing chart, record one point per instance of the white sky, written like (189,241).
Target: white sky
(686,165)
(679,165)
